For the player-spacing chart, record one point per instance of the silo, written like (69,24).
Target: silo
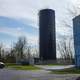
(47,36)
(76,34)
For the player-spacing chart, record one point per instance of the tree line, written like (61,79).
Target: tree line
(20,50)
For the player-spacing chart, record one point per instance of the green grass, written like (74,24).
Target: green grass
(10,64)
(20,67)
(67,71)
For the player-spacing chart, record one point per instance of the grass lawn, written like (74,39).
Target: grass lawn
(67,71)
(20,67)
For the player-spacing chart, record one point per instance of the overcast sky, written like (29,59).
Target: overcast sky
(20,18)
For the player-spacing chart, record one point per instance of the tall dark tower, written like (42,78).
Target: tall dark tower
(47,34)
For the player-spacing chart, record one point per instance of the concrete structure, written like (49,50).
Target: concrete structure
(76,32)
(62,67)
(47,34)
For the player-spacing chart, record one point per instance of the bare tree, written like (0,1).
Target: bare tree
(0,52)
(35,53)
(1,49)
(65,50)
(20,47)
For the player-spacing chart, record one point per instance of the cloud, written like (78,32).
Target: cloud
(11,31)
(28,10)
(17,32)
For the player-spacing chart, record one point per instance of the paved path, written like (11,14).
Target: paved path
(46,67)
(6,74)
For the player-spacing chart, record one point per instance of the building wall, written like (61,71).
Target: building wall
(47,34)
(76,32)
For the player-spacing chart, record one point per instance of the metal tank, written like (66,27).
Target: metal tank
(47,33)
